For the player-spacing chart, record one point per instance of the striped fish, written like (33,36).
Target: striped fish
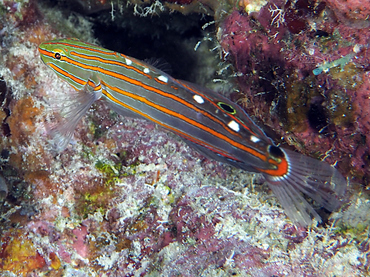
(207,121)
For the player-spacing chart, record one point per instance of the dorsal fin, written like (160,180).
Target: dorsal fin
(160,64)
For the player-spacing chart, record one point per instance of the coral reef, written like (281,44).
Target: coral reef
(127,199)
(19,254)
(349,11)
(305,70)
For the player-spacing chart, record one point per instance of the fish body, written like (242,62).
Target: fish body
(206,120)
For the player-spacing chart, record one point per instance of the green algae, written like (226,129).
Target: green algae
(359,232)
(347,76)
(95,201)
(110,170)
(98,198)
(114,171)
(90,203)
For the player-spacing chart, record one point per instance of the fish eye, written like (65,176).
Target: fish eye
(57,56)
(226,107)
(276,152)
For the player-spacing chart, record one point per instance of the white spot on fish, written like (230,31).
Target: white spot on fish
(163,78)
(128,61)
(146,70)
(254,139)
(234,126)
(198,98)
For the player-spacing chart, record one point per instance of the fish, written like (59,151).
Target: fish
(206,120)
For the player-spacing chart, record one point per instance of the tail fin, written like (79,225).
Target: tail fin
(317,179)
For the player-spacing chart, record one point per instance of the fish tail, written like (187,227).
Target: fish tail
(71,111)
(314,178)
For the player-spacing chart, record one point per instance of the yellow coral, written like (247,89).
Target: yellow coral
(55,261)
(19,254)
(252,5)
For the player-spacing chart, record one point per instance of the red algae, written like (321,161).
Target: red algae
(348,10)
(21,122)
(276,60)
(24,113)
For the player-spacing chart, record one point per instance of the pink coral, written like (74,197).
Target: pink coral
(79,242)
